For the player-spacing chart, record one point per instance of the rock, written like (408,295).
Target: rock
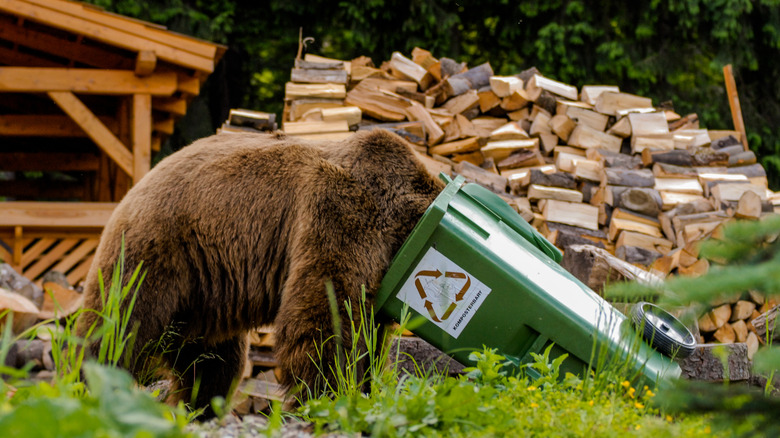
(15,282)
(425,356)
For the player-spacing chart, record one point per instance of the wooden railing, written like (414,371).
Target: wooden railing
(37,237)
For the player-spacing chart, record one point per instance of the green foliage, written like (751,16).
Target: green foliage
(109,405)
(491,400)
(670,50)
(748,259)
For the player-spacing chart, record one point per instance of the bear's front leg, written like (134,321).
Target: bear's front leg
(309,352)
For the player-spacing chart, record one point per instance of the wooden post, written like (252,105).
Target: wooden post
(736,109)
(18,249)
(142,135)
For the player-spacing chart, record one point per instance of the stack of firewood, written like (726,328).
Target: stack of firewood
(594,165)
(748,318)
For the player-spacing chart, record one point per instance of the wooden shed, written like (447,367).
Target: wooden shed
(86,96)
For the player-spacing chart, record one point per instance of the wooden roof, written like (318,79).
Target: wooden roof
(67,33)
(64,34)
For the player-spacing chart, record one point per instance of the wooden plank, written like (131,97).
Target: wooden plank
(736,108)
(78,253)
(96,130)
(332,91)
(51,257)
(141,135)
(86,54)
(35,251)
(55,214)
(79,273)
(579,215)
(42,125)
(145,63)
(84,80)
(48,161)
(76,23)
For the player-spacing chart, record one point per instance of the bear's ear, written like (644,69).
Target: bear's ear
(380,142)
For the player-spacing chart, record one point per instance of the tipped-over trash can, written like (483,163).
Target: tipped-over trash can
(480,275)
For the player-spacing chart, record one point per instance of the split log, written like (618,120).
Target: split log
(583,116)
(498,150)
(586,137)
(629,177)
(721,315)
(542,83)
(579,215)
(641,240)
(562,126)
(503,86)
(610,103)
(648,124)
(470,144)
(496,183)
(596,267)
(473,79)
(742,310)
(462,103)
(411,70)
(740,330)
(621,128)
(637,255)
(521,158)
(536,192)
(749,206)
(434,133)
(657,142)
(555,179)
(642,200)
(59,301)
(590,93)
(766,324)
(725,334)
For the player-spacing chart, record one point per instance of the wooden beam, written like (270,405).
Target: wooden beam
(145,63)
(46,126)
(142,135)
(151,31)
(96,130)
(62,47)
(15,57)
(84,80)
(173,105)
(55,214)
(75,23)
(736,109)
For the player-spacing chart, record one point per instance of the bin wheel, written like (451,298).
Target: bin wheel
(662,330)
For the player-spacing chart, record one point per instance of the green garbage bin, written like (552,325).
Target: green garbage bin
(480,275)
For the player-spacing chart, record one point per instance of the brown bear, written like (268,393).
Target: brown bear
(241,230)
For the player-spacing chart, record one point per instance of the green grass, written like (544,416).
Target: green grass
(86,398)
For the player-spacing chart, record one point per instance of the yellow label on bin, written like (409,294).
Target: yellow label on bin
(443,292)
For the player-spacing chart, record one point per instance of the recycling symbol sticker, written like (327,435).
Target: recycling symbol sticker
(443,292)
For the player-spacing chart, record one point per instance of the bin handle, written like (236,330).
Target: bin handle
(511,218)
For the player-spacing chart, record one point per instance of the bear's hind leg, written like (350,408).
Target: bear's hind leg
(203,371)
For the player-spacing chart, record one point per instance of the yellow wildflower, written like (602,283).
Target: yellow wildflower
(638,427)
(532,388)
(639,405)
(625,383)
(631,392)
(534,405)
(669,418)
(590,403)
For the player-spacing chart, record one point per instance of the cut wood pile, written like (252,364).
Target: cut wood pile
(592,165)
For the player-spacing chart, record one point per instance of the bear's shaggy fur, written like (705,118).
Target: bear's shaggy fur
(240,230)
